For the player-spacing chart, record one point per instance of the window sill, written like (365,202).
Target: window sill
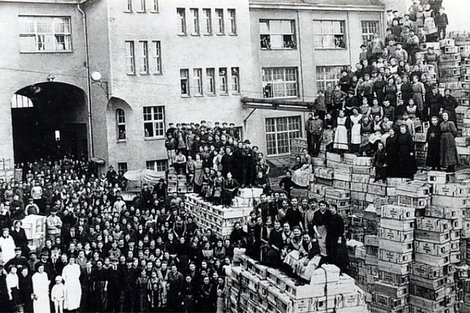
(131,74)
(236,93)
(195,34)
(154,138)
(46,52)
(233,34)
(127,11)
(331,49)
(182,34)
(185,96)
(278,49)
(225,94)
(207,34)
(144,74)
(211,95)
(158,73)
(287,97)
(154,11)
(220,34)
(141,11)
(121,141)
(199,95)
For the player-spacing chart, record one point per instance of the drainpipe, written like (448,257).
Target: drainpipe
(88,82)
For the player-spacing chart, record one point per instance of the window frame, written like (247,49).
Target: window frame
(183,26)
(235,80)
(154,121)
(122,166)
(271,72)
(220,21)
(291,133)
(130,57)
(129,6)
(368,34)
(155,7)
(157,57)
(271,33)
(207,21)
(223,81)
(37,34)
(154,165)
(232,21)
(120,123)
(321,72)
(187,83)
(196,26)
(198,82)
(210,81)
(322,34)
(144,50)
(142,6)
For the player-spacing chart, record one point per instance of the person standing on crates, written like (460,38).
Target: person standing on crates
(319,226)
(441,22)
(449,157)
(314,128)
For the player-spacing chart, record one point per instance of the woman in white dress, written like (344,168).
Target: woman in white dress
(73,289)
(341,134)
(356,138)
(41,291)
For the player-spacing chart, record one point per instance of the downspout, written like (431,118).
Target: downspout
(301,66)
(88,82)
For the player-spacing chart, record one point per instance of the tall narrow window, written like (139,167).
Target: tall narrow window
(207,27)
(141,5)
(197,76)
(157,57)
(235,80)
(184,82)
(129,6)
(219,15)
(195,24)
(223,80)
(144,57)
(210,77)
(130,58)
(181,20)
(154,7)
(154,121)
(120,124)
(233,21)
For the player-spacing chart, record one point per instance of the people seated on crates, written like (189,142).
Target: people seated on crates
(301,176)
(229,190)
(449,157)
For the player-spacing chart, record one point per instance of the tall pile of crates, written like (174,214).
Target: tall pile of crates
(258,289)
(177,183)
(395,255)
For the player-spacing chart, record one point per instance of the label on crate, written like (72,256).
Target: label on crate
(433,224)
(394,257)
(396,224)
(432,236)
(444,212)
(395,235)
(435,249)
(398,212)
(429,272)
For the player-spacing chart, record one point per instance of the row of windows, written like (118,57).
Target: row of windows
(210,81)
(200,21)
(154,123)
(141,6)
(155,165)
(328,34)
(149,57)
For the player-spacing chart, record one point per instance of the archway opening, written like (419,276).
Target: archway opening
(49,122)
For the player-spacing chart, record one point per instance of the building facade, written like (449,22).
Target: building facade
(131,67)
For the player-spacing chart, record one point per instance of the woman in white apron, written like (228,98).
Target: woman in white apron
(73,289)
(41,291)
(341,134)
(356,138)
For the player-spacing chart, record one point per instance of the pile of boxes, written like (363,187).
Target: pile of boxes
(177,183)
(395,249)
(258,289)
(218,218)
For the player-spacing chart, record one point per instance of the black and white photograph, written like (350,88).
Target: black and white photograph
(235,156)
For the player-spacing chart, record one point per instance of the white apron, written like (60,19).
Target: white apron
(73,289)
(41,290)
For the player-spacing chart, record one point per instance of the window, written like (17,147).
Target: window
(157,57)
(128,6)
(154,7)
(157,165)
(144,57)
(154,122)
(181,20)
(121,124)
(369,29)
(210,78)
(141,6)
(184,82)
(45,34)
(197,76)
(279,132)
(280,82)
(329,34)
(195,16)
(232,21)
(219,16)
(235,80)
(328,74)
(223,80)
(122,167)
(207,21)
(130,58)
(277,34)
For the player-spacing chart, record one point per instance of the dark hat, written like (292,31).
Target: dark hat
(247,142)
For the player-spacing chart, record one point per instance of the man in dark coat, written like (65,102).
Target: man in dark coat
(86,282)
(449,103)
(335,239)
(433,138)
(405,150)
(26,289)
(434,101)
(4,302)
(175,282)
